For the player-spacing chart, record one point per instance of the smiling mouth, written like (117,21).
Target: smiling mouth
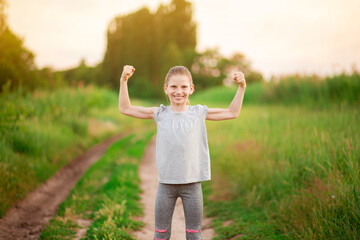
(178,97)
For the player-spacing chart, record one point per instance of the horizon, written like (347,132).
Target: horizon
(278,37)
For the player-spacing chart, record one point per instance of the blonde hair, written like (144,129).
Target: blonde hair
(179,70)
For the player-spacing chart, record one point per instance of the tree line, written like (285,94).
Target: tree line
(152,42)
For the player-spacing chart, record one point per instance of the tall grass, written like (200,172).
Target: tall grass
(284,171)
(42,131)
(311,91)
(340,89)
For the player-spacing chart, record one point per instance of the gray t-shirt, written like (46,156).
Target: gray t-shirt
(182,151)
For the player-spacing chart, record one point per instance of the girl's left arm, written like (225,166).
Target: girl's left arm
(233,111)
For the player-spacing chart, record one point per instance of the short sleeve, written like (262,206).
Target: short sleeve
(159,111)
(202,110)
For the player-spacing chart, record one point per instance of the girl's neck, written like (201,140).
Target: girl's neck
(178,108)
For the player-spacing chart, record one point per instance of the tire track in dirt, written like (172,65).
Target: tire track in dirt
(26,219)
(148,175)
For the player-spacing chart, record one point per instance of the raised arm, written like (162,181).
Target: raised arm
(217,114)
(125,106)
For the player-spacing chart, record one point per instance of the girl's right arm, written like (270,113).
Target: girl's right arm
(125,106)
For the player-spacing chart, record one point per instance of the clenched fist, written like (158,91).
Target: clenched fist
(240,79)
(127,72)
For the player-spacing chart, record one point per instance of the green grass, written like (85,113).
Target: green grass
(287,168)
(217,96)
(284,172)
(341,90)
(42,131)
(311,91)
(108,195)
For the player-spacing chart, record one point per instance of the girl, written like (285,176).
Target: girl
(182,152)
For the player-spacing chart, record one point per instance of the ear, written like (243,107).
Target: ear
(192,88)
(165,88)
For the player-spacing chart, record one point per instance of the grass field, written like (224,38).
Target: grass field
(42,131)
(284,172)
(279,171)
(106,196)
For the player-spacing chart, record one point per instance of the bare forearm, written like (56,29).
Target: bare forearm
(125,106)
(233,111)
(124,100)
(236,103)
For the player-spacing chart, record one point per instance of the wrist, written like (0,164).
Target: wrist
(241,85)
(123,79)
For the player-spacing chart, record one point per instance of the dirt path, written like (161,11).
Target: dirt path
(149,183)
(26,219)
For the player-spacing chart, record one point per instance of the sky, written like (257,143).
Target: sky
(278,36)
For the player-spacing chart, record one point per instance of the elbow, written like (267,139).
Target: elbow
(234,115)
(123,110)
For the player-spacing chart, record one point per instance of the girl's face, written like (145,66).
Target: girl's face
(178,89)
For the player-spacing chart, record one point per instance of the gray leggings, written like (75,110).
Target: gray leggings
(192,198)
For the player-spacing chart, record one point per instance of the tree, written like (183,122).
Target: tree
(80,75)
(210,69)
(2,16)
(17,66)
(129,42)
(152,43)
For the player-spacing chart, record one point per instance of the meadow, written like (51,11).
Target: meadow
(106,196)
(284,171)
(286,168)
(42,131)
